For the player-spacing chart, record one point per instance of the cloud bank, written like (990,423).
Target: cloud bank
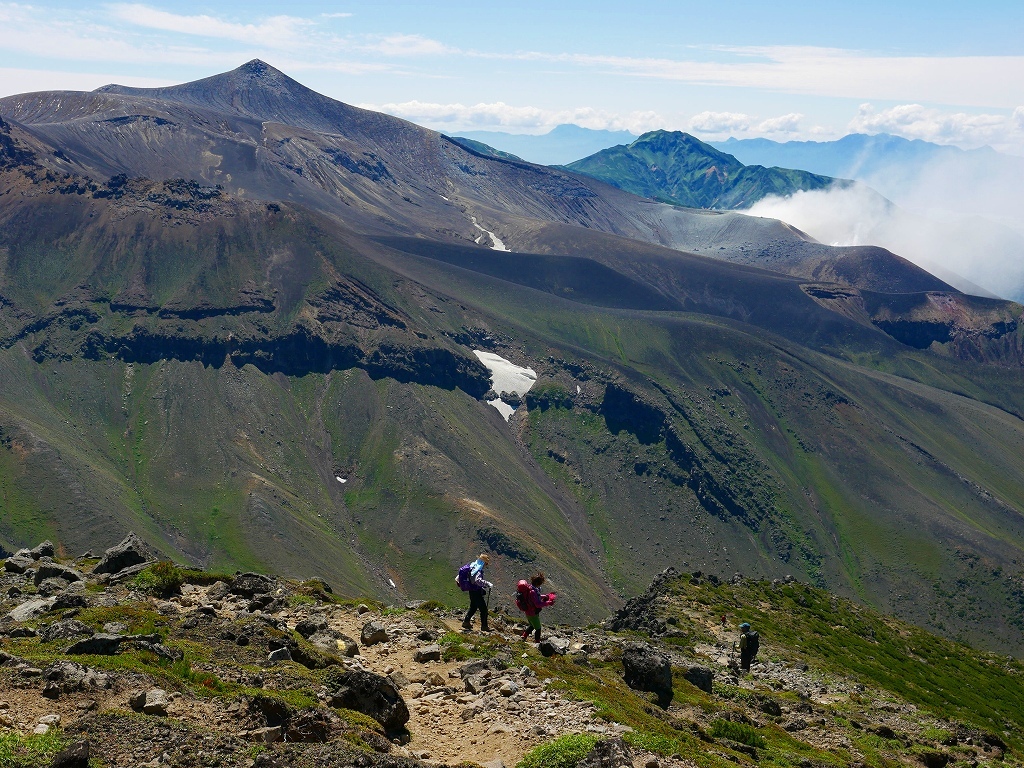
(979,249)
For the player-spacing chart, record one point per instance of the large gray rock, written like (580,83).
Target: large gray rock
(48,569)
(74,756)
(131,551)
(18,564)
(252,584)
(69,677)
(372,695)
(151,702)
(428,653)
(46,549)
(702,677)
(611,753)
(373,633)
(100,644)
(553,646)
(64,630)
(31,609)
(647,670)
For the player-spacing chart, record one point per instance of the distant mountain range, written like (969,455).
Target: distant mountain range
(559,146)
(677,168)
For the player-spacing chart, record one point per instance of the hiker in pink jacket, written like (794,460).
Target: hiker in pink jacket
(530,601)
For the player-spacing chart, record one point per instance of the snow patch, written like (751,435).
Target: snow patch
(498,244)
(506,376)
(340,479)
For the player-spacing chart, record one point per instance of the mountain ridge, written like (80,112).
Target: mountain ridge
(678,168)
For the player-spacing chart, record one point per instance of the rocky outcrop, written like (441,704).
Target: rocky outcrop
(609,753)
(373,632)
(648,670)
(131,551)
(372,695)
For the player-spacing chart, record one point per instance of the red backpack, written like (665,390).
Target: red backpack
(523,595)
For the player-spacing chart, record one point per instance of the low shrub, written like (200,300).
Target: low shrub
(744,734)
(161,579)
(564,752)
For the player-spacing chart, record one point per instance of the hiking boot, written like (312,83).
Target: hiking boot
(467,626)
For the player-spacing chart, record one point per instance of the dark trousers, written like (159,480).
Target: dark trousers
(477,603)
(745,659)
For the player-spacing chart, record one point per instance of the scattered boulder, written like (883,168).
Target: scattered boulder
(934,759)
(769,706)
(280,654)
(64,630)
(71,597)
(372,695)
(553,646)
(131,551)
(218,591)
(309,627)
(68,677)
(151,702)
(373,633)
(310,725)
(46,549)
(428,653)
(74,756)
(100,644)
(609,753)
(31,609)
(267,735)
(48,569)
(496,664)
(702,677)
(648,670)
(18,564)
(252,584)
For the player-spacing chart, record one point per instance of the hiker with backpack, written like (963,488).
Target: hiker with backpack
(747,645)
(530,601)
(470,578)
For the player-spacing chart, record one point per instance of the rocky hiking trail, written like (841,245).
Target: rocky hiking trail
(124,661)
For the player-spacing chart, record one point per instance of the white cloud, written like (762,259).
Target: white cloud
(273,32)
(782,124)
(721,122)
(914,121)
(524,119)
(978,249)
(720,125)
(982,81)
(406,45)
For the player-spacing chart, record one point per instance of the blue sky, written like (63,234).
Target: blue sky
(943,71)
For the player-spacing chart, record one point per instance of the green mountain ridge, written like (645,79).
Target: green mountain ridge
(677,168)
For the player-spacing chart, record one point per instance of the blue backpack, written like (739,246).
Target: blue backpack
(463,577)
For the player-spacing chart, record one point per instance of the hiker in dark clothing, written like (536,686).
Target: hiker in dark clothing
(748,645)
(477,589)
(530,601)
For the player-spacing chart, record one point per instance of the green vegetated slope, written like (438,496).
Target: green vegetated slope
(675,167)
(802,624)
(208,370)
